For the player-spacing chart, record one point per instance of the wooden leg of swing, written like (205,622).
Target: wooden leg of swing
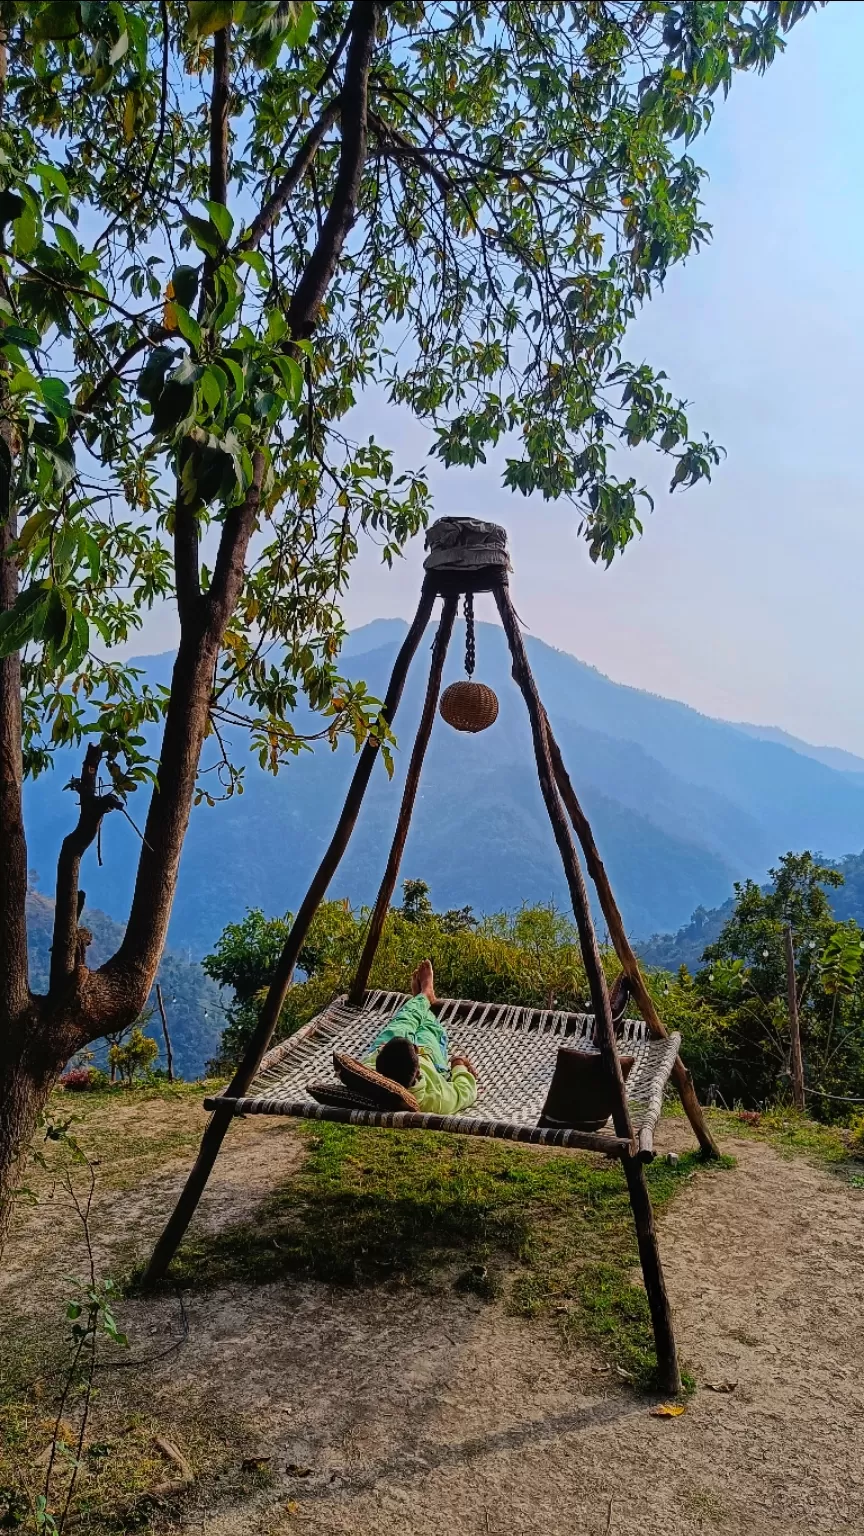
(643,1216)
(629,963)
(214,1135)
(605,1029)
(668,1374)
(409,795)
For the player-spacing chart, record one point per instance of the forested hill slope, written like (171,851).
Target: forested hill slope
(192,1005)
(681,804)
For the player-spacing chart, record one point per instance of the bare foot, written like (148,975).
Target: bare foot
(423,981)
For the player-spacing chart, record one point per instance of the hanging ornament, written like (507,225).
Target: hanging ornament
(469,706)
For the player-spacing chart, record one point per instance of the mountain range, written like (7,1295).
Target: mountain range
(681,804)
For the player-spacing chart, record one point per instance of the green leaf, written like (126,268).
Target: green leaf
(292,374)
(25,231)
(151,379)
(188,327)
(18,336)
(299,33)
(222,219)
(209,16)
(67,243)
(184,285)
(119,49)
(214,387)
(55,394)
(59,453)
(258,263)
(175,404)
(204,234)
(58,19)
(24,620)
(91,552)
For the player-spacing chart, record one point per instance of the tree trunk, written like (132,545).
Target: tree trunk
(27,1076)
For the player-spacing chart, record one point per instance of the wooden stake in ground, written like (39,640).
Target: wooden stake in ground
(169,1054)
(794,1021)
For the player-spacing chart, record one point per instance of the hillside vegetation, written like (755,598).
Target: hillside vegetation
(681,805)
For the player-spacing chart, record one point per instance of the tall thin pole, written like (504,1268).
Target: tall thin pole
(169,1054)
(794,1020)
(643,1216)
(629,963)
(220,1119)
(409,795)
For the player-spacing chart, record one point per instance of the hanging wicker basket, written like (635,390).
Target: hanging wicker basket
(469,706)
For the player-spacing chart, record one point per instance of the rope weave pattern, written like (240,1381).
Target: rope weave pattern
(514,1049)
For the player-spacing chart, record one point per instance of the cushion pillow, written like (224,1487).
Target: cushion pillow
(380,1092)
(337,1096)
(581,1095)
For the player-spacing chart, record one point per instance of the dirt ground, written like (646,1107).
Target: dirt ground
(409,1413)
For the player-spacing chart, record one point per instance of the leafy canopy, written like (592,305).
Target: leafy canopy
(525,184)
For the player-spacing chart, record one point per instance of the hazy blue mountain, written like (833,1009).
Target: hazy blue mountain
(832,757)
(682,805)
(685,947)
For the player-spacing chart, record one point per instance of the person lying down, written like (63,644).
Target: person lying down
(413,1050)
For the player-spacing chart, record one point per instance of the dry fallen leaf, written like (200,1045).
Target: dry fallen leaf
(294,1471)
(667,1411)
(720,1386)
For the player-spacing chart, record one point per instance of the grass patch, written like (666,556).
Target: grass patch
(549,1232)
(121,1463)
(790,1132)
(130,1133)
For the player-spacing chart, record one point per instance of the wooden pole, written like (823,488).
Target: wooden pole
(409,795)
(221,1117)
(794,1020)
(649,1253)
(629,963)
(169,1054)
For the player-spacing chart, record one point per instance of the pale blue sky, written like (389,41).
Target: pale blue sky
(743,598)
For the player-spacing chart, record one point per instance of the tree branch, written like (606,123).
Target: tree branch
(185,726)
(310,291)
(230,566)
(100,390)
(264,221)
(217,192)
(186,567)
(14,990)
(13,845)
(67,906)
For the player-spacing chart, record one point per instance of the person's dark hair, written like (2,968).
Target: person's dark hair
(399,1060)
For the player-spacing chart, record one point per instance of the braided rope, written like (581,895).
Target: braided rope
(470,643)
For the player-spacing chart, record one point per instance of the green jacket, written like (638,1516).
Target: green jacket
(435,1093)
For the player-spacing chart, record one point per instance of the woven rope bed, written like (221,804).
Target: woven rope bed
(513,1048)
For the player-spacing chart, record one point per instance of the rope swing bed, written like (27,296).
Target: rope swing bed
(515,1048)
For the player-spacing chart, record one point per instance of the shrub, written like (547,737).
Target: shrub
(83,1079)
(133,1058)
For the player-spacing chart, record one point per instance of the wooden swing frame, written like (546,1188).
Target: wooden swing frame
(563,809)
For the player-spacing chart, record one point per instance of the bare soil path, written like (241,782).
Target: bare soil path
(402,1412)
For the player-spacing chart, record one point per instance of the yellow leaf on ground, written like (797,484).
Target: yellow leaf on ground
(667,1411)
